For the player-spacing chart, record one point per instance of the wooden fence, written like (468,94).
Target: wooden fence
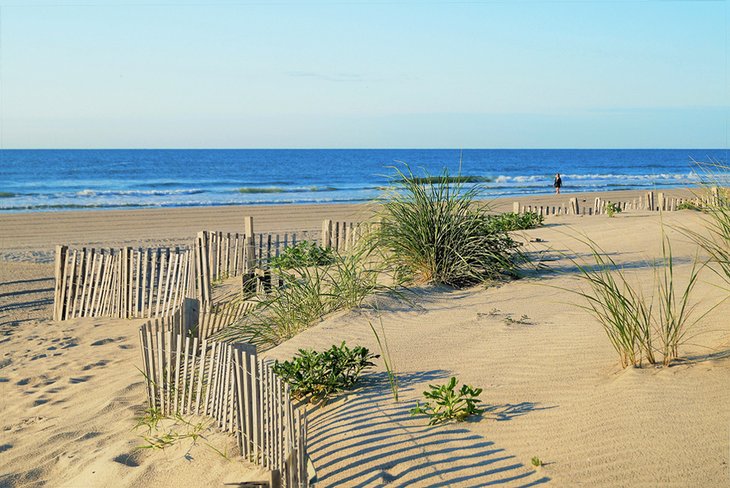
(218,316)
(342,236)
(121,282)
(229,383)
(649,202)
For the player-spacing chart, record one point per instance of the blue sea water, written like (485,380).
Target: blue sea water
(41,180)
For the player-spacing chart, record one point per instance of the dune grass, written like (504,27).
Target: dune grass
(715,241)
(640,328)
(307,294)
(431,231)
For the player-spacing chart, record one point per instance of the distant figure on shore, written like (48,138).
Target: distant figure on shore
(557,183)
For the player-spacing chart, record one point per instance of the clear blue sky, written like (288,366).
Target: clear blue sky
(491,74)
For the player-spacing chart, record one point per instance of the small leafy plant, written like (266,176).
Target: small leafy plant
(523,320)
(689,206)
(446,403)
(163,431)
(317,376)
(536,461)
(511,221)
(612,209)
(304,254)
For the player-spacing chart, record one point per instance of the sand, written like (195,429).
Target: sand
(553,387)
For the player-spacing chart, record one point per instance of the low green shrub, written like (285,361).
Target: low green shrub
(511,221)
(303,254)
(689,206)
(446,403)
(317,376)
(612,209)
(306,295)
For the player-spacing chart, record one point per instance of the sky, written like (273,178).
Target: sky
(364,74)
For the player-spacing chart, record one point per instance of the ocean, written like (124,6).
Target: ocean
(46,180)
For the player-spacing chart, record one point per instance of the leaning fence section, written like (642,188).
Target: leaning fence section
(232,385)
(121,283)
(216,317)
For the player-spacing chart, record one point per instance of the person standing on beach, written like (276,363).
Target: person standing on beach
(557,183)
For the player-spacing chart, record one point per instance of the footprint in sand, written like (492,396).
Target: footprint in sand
(128,459)
(80,379)
(98,364)
(108,340)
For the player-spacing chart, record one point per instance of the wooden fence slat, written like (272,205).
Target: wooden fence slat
(60,283)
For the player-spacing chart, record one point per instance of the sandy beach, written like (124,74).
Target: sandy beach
(553,387)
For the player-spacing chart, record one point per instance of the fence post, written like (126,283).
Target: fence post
(60,273)
(326,234)
(202,263)
(650,201)
(661,201)
(516,207)
(574,207)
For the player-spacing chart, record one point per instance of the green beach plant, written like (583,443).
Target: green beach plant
(446,403)
(316,376)
(536,461)
(432,231)
(633,322)
(306,295)
(387,358)
(715,241)
(303,254)
(287,310)
(163,431)
(612,208)
(689,206)
(509,221)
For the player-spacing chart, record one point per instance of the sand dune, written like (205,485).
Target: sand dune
(552,384)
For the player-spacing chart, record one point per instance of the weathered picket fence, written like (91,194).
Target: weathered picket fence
(649,202)
(122,282)
(216,317)
(232,385)
(233,254)
(342,236)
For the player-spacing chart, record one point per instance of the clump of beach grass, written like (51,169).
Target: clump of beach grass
(432,231)
(306,295)
(715,241)
(640,328)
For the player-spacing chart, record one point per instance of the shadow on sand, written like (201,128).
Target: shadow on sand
(366,439)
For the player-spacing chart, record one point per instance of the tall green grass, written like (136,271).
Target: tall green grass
(640,328)
(307,294)
(431,231)
(715,241)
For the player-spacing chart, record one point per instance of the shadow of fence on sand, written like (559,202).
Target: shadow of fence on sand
(366,439)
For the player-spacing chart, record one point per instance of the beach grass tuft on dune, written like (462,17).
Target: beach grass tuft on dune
(433,233)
